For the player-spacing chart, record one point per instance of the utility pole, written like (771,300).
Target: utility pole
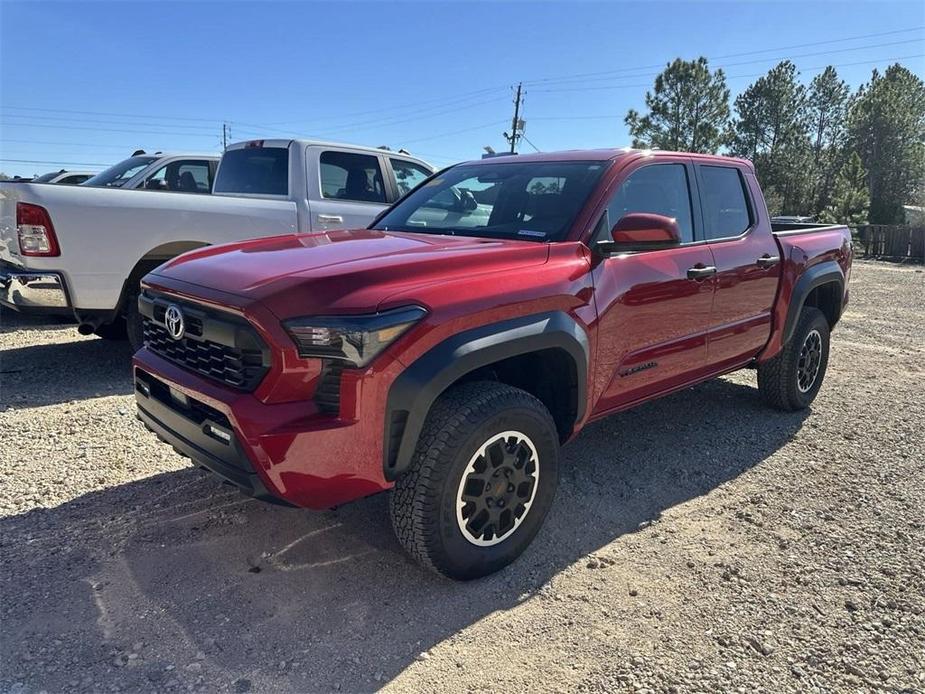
(226,131)
(517,125)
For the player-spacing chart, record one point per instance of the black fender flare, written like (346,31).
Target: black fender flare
(824,273)
(415,390)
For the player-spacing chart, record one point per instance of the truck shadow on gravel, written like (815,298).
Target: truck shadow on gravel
(176,581)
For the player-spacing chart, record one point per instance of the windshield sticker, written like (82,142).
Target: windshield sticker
(535,234)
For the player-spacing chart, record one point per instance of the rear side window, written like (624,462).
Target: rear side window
(726,211)
(407,174)
(350,176)
(254,171)
(656,189)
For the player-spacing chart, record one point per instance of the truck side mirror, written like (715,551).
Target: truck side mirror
(641,231)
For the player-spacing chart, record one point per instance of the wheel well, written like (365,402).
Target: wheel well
(153,258)
(827,298)
(550,375)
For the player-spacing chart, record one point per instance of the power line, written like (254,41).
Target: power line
(452,132)
(529,143)
(147,133)
(69,119)
(661,65)
(86,145)
(62,163)
(728,77)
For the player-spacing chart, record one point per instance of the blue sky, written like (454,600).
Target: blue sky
(88,82)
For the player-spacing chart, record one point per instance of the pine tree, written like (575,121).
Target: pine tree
(850,200)
(826,115)
(688,109)
(886,128)
(771,129)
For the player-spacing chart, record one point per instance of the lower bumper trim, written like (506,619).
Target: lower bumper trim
(190,439)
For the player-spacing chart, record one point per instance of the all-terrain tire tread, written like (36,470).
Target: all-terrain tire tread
(414,504)
(775,375)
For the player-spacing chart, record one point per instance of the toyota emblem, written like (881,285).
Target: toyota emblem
(173,321)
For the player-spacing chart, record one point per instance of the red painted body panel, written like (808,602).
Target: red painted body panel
(637,310)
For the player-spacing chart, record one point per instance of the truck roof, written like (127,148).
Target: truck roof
(602,155)
(285,142)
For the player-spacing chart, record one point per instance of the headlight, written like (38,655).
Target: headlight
(354,339)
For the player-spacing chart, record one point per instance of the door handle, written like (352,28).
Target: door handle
(700,272)
(768,260)
(330,219)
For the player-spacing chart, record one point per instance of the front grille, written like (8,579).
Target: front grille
(218,346)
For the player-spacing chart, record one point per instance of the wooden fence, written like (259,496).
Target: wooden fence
(892,242)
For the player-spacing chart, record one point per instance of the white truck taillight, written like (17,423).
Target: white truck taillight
(36,233)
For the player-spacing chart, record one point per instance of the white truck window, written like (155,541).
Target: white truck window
(407,174)
(350,176)
(254,171)
(183,176)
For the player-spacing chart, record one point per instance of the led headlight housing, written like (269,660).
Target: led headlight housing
(356,340)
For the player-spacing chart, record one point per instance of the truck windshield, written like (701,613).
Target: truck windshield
(531,201)
(117,174)
(254,171)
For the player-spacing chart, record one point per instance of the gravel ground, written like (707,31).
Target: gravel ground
(747,551)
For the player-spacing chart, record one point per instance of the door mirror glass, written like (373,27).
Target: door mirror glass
(638,231)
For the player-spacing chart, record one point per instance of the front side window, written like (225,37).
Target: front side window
(658,189)
(725,206)
(350,176)
(407,174)
(117,175)
(530,201)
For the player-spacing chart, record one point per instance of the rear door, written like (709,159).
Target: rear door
(653,311)
(347,188)
(747,261)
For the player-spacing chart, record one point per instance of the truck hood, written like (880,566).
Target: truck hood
(345,270)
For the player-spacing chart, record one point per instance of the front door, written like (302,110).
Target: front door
(653,306)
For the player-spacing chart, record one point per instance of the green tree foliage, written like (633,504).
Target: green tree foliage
(771,129)
(850,199)
(688,109)
(826,119)
(886,126)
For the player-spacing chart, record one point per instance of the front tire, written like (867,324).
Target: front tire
(481,482)
(791,380)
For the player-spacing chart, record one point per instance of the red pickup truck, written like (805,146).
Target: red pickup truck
(448,350)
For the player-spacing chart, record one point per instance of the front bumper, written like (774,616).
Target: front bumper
(290,451)
(32,291)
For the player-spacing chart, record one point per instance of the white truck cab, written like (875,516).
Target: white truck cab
(180,173)
(82,250)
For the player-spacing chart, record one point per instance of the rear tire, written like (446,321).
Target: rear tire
(791,380)
(482,479)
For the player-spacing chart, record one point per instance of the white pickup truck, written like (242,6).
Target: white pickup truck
(82,250)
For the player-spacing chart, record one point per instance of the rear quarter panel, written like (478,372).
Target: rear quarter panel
(800,252)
